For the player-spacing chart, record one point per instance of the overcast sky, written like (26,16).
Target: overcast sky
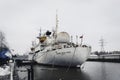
(21,20)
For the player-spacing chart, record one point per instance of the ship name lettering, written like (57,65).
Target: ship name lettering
(62,52)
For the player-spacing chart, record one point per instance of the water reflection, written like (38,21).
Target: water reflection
(91,71)
(47,73)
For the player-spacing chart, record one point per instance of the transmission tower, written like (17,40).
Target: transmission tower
(102,44)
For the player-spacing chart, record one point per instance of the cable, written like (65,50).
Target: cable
(71,61)
(39,56)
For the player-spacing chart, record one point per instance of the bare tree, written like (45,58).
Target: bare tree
(3,43)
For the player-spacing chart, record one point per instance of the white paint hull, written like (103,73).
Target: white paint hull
(63,57)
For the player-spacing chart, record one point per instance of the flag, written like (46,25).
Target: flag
(81,36)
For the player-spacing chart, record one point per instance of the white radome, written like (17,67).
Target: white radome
(63,37)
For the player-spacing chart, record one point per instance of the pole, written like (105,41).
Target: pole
(32,72)
(29,74)
(76,40)
(81,37)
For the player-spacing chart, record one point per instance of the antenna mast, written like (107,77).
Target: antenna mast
(56,30)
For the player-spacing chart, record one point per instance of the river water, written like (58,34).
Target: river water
(89,71)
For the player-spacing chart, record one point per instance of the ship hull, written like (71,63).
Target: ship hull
(63,57)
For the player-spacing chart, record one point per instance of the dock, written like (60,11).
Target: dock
(105,58)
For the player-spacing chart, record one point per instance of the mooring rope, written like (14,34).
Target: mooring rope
(39,56)
(53,62)
(71,61)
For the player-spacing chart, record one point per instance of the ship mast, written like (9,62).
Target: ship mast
(56,29)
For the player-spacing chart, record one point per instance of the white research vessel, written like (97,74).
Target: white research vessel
(59,50)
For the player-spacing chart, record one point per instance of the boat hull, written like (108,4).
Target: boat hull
(63,57)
